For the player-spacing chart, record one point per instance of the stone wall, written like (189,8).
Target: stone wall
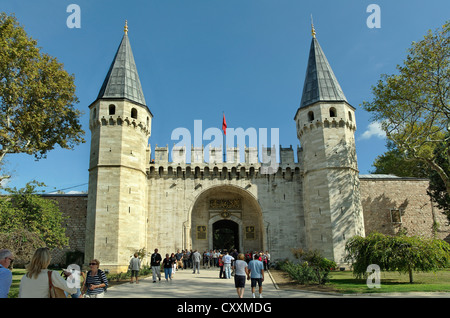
(411,211)
(392,204)
(73,206)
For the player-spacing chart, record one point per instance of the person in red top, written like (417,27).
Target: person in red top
(221,273)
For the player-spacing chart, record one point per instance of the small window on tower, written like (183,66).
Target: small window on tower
(310,116)
(134,113)
(350,116)
(333,112)
(112,109)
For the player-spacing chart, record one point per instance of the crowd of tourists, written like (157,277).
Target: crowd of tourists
(39,282)
(250,266)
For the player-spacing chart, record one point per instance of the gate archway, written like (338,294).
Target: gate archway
(228,212)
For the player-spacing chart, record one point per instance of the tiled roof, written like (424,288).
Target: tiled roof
(122,80)
(320,82)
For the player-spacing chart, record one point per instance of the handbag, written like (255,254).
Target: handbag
(55,292)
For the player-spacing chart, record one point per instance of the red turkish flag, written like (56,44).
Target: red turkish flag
(224,125)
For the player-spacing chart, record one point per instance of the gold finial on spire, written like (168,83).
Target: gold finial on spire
(126,27)
(313,31)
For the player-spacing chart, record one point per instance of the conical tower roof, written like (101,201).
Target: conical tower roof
(320,82)
(122,80)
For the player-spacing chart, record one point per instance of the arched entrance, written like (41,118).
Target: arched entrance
(225,235)
(226,217)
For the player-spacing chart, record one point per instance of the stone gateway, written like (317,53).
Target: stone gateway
(135,202)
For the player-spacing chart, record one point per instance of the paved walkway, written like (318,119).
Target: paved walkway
(207,284)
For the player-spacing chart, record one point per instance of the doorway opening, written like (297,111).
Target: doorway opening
(225,235)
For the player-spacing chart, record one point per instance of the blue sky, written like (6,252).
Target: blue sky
(199,58)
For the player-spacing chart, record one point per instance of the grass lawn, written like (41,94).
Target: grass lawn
(391,282)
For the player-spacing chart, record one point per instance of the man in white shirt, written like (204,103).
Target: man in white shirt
(227,259)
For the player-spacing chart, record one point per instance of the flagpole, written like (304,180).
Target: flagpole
(224,144)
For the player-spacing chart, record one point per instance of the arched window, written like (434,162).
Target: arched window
(134,113)
(112,109)
(350,116)
(310,116)
(94,113)
(333,112)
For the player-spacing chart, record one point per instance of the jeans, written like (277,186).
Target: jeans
(227,269)
(168,272)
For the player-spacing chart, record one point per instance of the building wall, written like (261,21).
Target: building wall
(282,220)
(271,205)
(405,198)
(74,207)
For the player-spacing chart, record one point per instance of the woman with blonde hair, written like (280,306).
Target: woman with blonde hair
(35,283)
(240,273)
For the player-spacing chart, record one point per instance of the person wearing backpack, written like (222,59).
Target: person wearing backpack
(96,283)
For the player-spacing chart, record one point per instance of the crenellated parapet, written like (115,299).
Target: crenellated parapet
(218,166)
(119,121)
(331,123)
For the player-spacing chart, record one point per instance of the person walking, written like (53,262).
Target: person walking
(135,267)
(186,256)
(174,265)
(155,263)
(6,259)
(227,259)
(256,269)
(196,259)
(96,282)
(168,264)
(221,272)
(240,273)
(35,283)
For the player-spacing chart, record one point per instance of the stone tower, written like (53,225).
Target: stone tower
(120,124)
(326,129)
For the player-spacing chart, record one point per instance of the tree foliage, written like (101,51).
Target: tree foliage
(22,243)
(397,253)
(37,96)
(393,161)
(23,209)
(413,106)
(437,189)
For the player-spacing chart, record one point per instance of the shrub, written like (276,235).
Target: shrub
(312,269)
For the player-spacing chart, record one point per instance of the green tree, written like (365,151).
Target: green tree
(37,97)
(23,209)
(437,189)
(397,253)
(413,106)
(393,161)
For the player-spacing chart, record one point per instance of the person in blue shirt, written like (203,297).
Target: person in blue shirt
(256,269)
(6,258)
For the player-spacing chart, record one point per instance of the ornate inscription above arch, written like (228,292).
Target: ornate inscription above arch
(221,204)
